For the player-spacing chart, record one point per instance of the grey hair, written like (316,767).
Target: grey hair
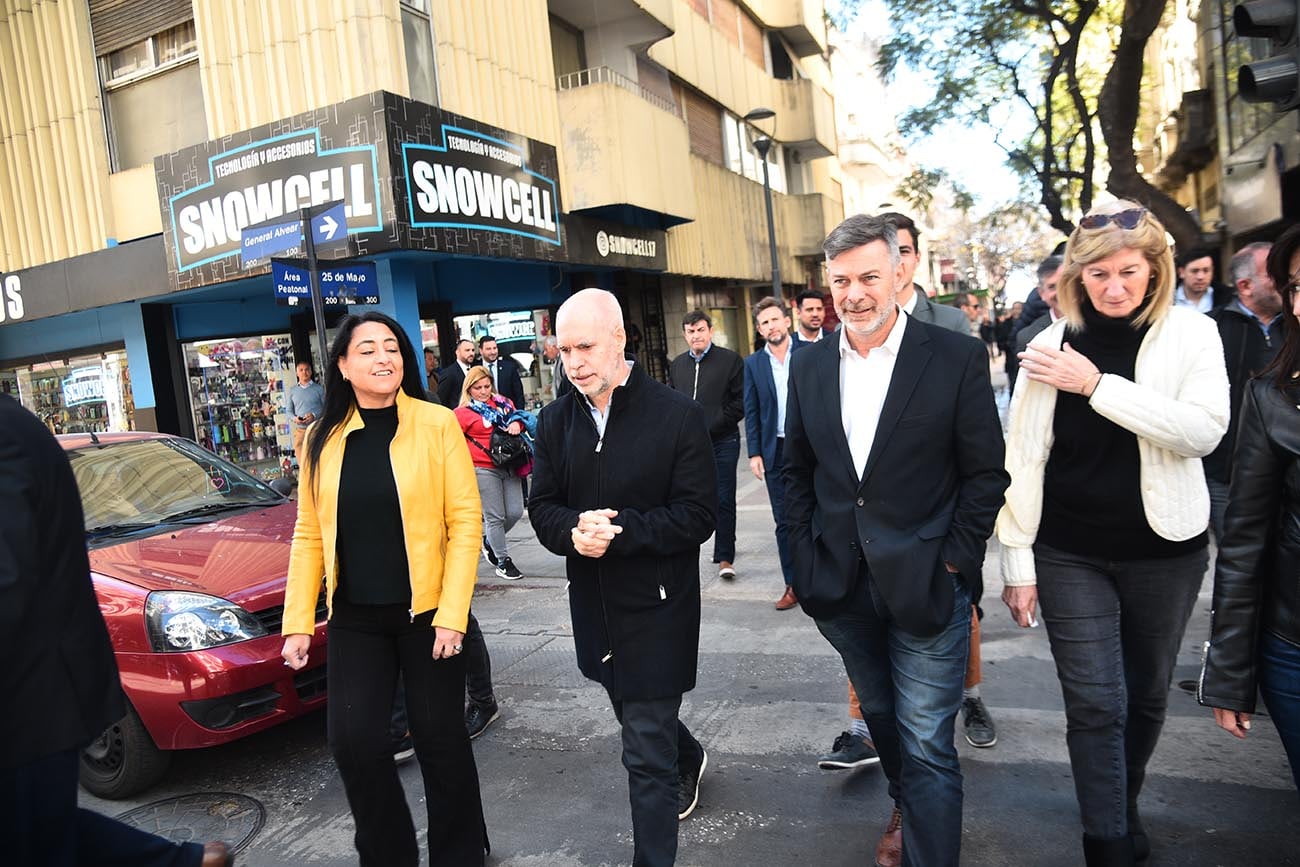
(858,230)
(550,340)
(1242,265)
(1049,266)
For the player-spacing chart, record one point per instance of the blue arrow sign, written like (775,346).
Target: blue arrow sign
(349,283)
(332,225)
(259,243)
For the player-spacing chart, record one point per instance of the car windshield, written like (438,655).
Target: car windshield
(142,483)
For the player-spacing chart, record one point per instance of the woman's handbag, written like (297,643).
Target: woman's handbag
(508,451)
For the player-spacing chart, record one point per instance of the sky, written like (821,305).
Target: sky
(969,155)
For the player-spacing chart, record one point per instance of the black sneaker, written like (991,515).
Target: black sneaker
(404,750)
(847,752)
(980,731)
(688,787)
(479,716)
(487,552)
(506,569)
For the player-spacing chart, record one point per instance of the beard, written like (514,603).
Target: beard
(871,326)
(777,339)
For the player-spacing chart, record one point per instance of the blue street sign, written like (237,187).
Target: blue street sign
(332,225)
(347,283)
(259,243)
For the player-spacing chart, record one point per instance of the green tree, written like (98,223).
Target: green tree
(992,61)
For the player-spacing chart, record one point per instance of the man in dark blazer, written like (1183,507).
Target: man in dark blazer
(767,373)
(451,379)
(810,313)
(911,297)
(506,378)
(624,489)
(714,377)
(59,677)
(888,538)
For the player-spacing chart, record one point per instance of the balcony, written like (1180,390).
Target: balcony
(799,21)
(805,117)
(805,221)
(623,147)
(700,55)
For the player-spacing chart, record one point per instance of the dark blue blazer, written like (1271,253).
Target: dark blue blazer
(760,405)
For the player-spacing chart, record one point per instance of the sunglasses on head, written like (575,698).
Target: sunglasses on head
(1124,219)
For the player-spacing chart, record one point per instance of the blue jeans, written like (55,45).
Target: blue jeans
(1114,628)
(1279,683)
(726,454)
(776,497)
(910,691)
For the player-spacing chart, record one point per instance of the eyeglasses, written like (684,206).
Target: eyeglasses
(1124,219)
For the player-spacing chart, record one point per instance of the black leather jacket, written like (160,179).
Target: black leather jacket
(1256,586)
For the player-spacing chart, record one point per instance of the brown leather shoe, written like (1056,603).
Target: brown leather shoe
(788,600)
(217,855)
(889,851)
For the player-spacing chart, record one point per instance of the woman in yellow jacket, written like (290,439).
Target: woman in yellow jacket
(388,514)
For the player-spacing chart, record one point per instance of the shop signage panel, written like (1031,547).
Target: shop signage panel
(11,298)
(602,242)
(467,188)
(84,385)
(343,283)
(265,179)
(475,181)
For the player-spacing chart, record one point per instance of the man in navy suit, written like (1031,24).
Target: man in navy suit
(888,539)
(506,378)
(766,374)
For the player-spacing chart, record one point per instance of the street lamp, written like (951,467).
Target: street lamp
(763,144)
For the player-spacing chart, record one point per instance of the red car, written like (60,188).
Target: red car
(189,555)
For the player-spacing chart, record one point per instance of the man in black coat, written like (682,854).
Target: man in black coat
(714,377)
(1250,326)
(506,378)
(59,677)
(451,379)
(888,539)
(624,489)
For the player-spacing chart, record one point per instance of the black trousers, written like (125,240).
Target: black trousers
(369,645)
(655,744)
(41,825)
(478,679)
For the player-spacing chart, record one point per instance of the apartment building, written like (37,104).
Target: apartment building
(490,157)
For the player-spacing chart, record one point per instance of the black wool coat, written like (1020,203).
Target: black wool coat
(636,610)
(59,677)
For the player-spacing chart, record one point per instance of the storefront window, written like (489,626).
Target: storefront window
(521,335)
(79,394)
(237,392)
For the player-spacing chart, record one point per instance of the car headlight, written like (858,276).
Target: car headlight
(179,622)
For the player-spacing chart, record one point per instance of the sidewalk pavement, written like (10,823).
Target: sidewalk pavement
(771,698)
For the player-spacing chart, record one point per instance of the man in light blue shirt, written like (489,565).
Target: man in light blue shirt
(305,402)
(766,374)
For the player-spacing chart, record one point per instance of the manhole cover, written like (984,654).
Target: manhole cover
(200,818)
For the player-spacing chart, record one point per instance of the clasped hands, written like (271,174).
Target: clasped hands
(1064,369)
(594,532)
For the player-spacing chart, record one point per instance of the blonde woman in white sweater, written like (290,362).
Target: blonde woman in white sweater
(1104,524)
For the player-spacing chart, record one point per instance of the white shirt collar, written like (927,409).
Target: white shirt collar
(910,307)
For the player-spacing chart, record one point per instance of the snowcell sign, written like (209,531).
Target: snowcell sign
(11,298)
(410,177)
(475,181)
(267,179)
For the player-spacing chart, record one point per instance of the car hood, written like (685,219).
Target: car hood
(242,557)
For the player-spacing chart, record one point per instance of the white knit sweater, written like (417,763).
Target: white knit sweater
(1178,408)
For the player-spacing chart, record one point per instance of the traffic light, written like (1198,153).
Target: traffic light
(1276,79)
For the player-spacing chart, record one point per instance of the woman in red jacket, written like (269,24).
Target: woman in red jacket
(481,411)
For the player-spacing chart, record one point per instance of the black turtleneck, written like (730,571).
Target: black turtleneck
(371,545)
(1092,496)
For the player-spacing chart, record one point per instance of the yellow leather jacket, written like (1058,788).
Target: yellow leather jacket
(441,518)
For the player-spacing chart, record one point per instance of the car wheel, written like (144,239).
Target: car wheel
(123,760)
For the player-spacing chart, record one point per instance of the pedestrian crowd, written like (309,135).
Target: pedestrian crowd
(1150,410)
